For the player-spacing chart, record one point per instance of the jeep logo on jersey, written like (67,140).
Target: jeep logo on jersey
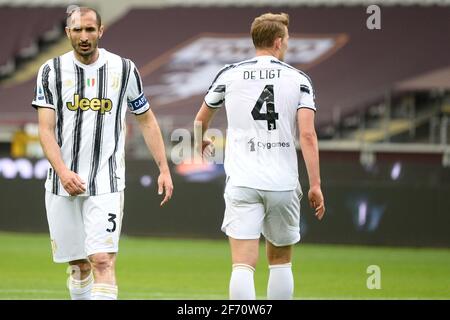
(188,71)
(102,105)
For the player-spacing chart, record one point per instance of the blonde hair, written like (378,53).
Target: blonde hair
(268,27)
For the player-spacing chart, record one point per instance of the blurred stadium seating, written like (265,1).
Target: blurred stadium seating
(355,70)
(32,28)
(383,103)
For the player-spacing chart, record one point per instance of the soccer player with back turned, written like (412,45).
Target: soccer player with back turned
(266,100)
(81,98)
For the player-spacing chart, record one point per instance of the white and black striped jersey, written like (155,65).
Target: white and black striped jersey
(261,97)
(90,103)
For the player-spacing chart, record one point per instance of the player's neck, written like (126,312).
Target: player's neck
(88,59)
(267,52)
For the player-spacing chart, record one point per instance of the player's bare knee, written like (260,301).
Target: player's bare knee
(248,258)
(102,261)
(245,261)
(279,255)
(278,260)
(244,251)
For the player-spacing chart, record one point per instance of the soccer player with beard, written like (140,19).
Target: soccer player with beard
(82,98)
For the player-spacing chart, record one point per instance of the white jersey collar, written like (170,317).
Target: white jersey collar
(98,63)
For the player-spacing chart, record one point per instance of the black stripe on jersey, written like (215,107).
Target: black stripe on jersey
(220,89)
(231,66)
(214,104)
(290,67)
(35,98)
(97,140)
(59,113)
(47,93)
(219,73)
(111,173)
(246,62)
(78,120)
(118,124)
(304,88)
(138,80)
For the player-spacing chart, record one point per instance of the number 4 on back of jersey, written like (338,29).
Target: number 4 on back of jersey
(271,116)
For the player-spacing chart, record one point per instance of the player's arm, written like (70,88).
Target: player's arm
(138,104)
(73,184)
(214,100)
(310,151)
(153,138)
(201,125)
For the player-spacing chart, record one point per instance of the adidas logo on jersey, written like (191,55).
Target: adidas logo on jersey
(95,104)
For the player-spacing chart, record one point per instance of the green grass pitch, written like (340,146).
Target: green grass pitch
(149,268)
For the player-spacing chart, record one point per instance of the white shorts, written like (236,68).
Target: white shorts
(250,212)
(81,226)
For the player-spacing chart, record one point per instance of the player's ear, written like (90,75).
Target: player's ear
(277,43)
(100,31)
(67,32)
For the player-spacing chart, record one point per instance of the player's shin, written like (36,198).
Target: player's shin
(281,282)
(104,291)
(242,286)
(81,289)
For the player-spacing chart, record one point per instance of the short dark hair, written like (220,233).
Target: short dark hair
(82,10)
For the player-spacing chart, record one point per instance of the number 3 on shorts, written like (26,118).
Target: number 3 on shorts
(112,216)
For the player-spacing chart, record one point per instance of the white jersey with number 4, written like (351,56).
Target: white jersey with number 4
(261,97)
(90,103)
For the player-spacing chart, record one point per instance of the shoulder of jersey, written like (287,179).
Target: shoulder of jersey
(293,69)
(112,56)
(246,62)
(242,63)
(66,56)
(115,58)
(236,65)
(50,62)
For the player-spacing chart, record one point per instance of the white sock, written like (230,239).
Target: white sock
(81,289)
(281,282)
(103,291)
(242,286)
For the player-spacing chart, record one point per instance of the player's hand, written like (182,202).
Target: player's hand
(72,182)
(165,185)
(207,147)
(316,201)
(203,152)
